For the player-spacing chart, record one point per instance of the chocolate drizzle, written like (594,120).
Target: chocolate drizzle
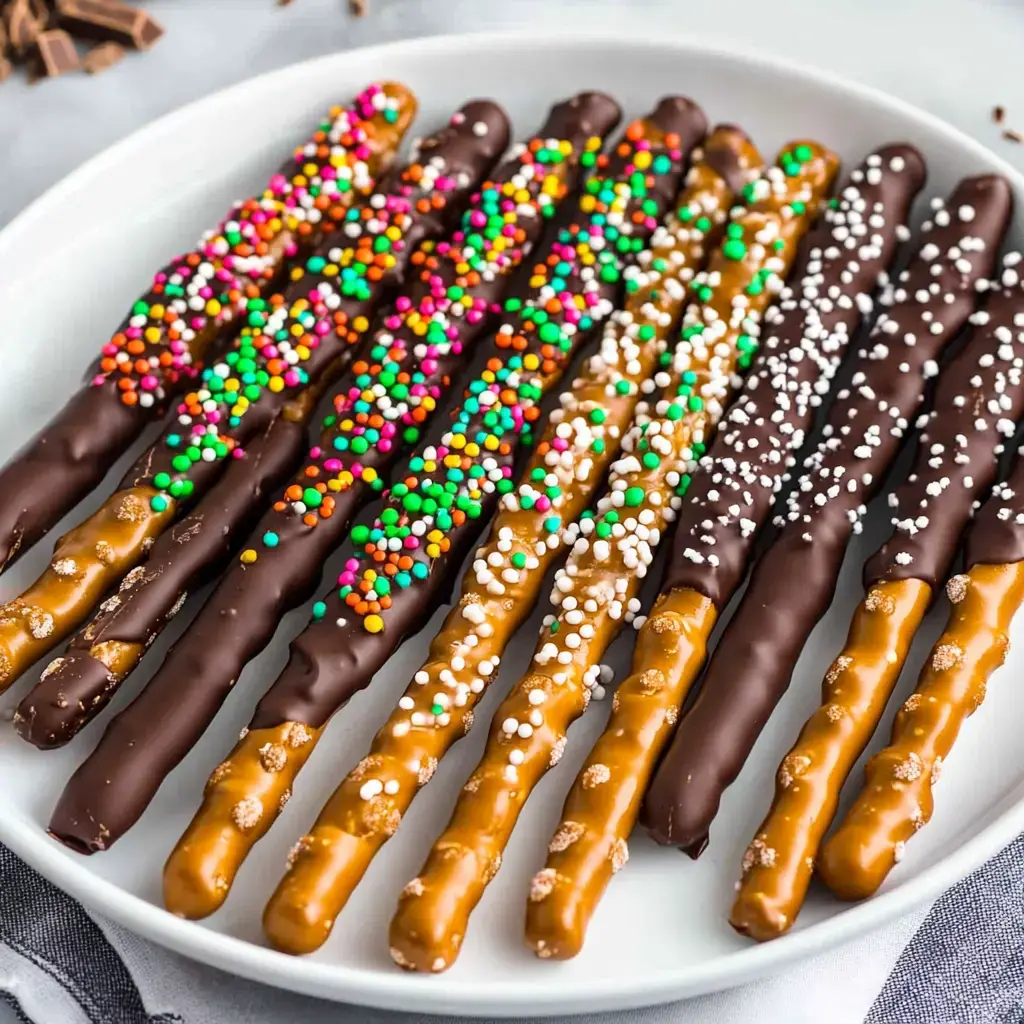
(977,402)
(148,739)
(753,663)
(260,591)
(806,336)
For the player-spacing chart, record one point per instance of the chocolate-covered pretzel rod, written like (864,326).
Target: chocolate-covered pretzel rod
(753,663)
(307,334)
(978,397)
(842,259)
(288,921)
(569,294)
(597,591)
(192,302)
(571,458)
(380,410)
(897,798)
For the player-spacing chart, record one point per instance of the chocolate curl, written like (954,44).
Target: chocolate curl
(213,848)
(648,164)
(956,462)
(540,359)
(597,592)
(155,354)
(897,800)
(797,359)
(372,425)
(306,338)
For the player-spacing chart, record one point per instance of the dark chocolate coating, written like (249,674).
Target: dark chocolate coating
(192,552)
(747,464)
(978,400)
(63,463)
(996,536)
(724,160)
(793,584)
(144,743)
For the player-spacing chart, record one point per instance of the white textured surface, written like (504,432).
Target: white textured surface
(956,59)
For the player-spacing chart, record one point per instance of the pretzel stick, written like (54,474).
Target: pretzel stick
(192,302)
(955,463)
(211,851)
(897,799)
(523,361)
(752,665)
(810,331)
(326,311)
(380,409)
(597,591)
(286,920)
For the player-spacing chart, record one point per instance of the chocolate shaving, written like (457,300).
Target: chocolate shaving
(57,53)
(109,21)
(1011,135)
(101,57)
(998,114)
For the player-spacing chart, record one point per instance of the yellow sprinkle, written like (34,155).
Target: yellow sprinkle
(472,449)
(152,334)
(433,551)
(232,384)
(296,331)
(370,575)
(212,307)
(310,169)
(331,270)
(334,485)
(452,461)
(302,351)
(369,474)
(458,441)
(393,233)
(276,384)
(248,556)
(587,204)
(373,623)
(531,361)
(360,324)
(491,443)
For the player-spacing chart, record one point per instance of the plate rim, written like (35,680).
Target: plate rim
(399,991)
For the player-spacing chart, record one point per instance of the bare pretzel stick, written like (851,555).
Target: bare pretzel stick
(191,304)
(897,799)
(400,559)
(976,400)
(213,848)
(804,342)
(292,342)
(380,410)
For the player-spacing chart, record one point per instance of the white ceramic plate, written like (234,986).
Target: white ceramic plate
(68,268)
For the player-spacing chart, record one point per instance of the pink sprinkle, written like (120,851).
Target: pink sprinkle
(560,444)
(238,453)
(543,504)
